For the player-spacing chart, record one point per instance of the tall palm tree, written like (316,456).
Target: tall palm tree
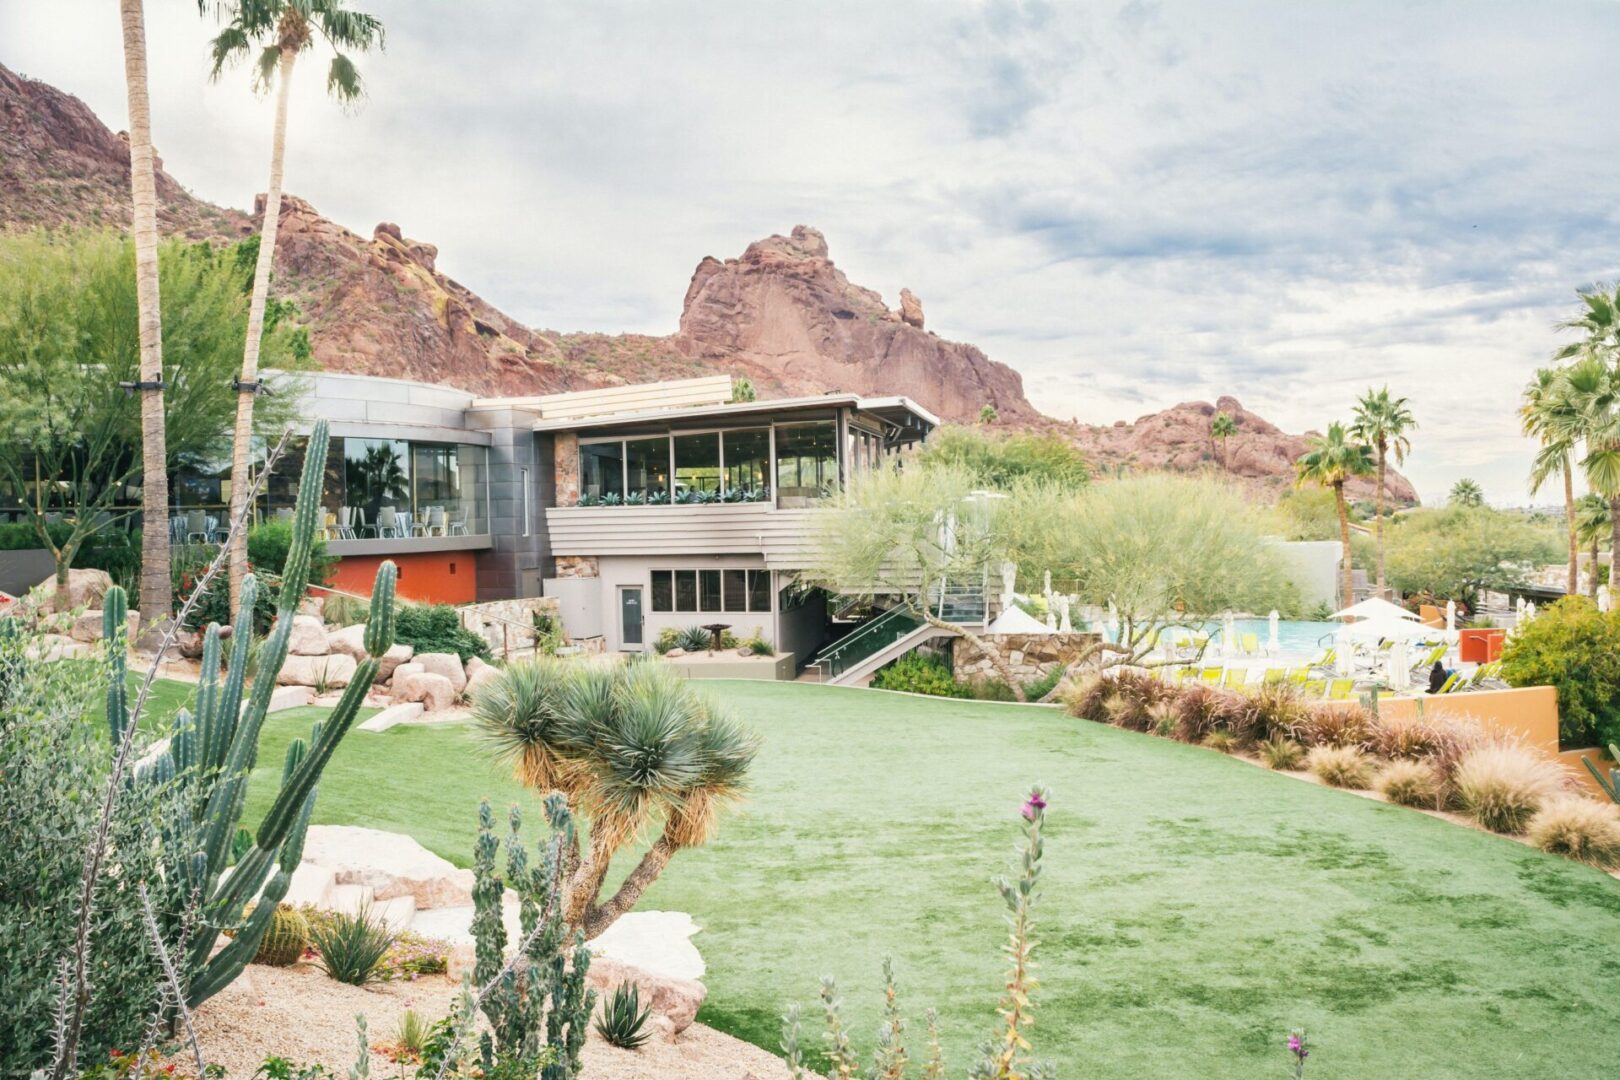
(1592,527)
(1382,421)
(1466,492)
(281,29)
(1594,391)
(156,596)
(1221,428)
(1598,324)
(1549,417)
(1330,460)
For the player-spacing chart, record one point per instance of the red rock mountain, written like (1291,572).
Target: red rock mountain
(782,314)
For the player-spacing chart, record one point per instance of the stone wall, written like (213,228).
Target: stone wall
(508,625)
(578,566)
(567,469)
(1028,655)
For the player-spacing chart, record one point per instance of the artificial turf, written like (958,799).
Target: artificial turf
(1194,908)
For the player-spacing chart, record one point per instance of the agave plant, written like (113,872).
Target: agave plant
(630,747)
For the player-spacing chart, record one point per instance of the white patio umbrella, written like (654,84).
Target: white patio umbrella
(1273,646)
(1372,631)
(1603,599)
(1374,608)
(1399,668)
(1228,635)
(1451,615)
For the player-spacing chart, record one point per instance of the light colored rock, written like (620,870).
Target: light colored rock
(659,942)
(390,864)
(474,665)
(479,679)
(675,652)
(399,675)
(745,651)
(350,641)
(404,712)
(911,311)
(289,697)
(88,626)
(446,664)
(435,692)
(85,588)
(308,637)
(391,660)
(675,1001)
(333,669)
(310,885)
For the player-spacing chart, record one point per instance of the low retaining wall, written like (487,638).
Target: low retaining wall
(1029,656)
(508,625)
(721,666)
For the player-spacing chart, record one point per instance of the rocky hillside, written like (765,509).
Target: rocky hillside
(1261,454)
(782,314)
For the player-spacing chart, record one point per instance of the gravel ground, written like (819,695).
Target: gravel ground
(300,1014)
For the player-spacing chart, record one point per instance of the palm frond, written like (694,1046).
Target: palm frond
(265,74)
(343,79)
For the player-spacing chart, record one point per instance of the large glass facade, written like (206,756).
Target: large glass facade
(697,467)
(601,473)
(806,462)
(708,467)
(748,465)
(646,470)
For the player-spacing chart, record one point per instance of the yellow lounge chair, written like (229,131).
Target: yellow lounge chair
(1236,678)
(1251,643)
(1299,676)
(1274,675)
(1339,689)
(1315,688)
(1450,684)
(1211,675)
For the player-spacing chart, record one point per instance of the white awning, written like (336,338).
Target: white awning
(1374,608)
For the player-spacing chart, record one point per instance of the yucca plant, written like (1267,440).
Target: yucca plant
(693,638)
(624,1019)
(353,945)
(629,747)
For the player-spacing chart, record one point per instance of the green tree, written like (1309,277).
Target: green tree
(1329,461)
(988,414)
(1592,527)
(70,335)
(1551,418)
(1572,647)
(1466,492)
(1455,551)
(997,459)
(281,29)
(1382,422)
(1221,428)
(1307,514)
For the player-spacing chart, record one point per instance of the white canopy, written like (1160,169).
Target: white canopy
(1375,630)
(1015,620)
(1374,608)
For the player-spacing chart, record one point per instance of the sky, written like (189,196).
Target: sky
(1132,204)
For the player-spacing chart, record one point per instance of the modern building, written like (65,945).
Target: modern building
(637,507)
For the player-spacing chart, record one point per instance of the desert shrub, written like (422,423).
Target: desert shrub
(755,643)
(1203,710)
(1037,689)
(668,638)
(919,673)
(1223,741)
(1163,717)
(410,1036)
(351,947)
(1281,752)
(1408,738)
(693,638)
(1085,699)
(1410,783)
(624,1018)
(1271,711)
(988,688)
(341,609)
(1579,827)
(1573,647)
(413,954)
(1341,766)
(1132,695)
(1333,725)
(437,628)
(1502,786)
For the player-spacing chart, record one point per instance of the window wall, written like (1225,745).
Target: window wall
(806,462)
(707,467)
(711,590)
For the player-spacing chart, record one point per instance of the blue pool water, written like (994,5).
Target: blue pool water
(1295,637)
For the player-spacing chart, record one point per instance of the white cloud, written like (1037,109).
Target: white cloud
(1133,205)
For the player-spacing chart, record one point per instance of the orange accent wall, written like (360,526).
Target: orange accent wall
(439,577)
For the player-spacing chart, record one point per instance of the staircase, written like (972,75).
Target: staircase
(853,659)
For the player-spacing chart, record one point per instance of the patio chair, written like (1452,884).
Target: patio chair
(458,524)
(1251,643)
(1299,676)
(407,522)
(197,527)
(284,513)
(1314,689)
(388,522)
(435,521)
(1274,675)
(1211,675)
(1450,684)
(1236,678)
(177,528)
(357,522)
(1340,689)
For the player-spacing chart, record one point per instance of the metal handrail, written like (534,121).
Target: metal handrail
(871,626)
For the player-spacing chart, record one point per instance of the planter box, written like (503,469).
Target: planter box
(1480,646)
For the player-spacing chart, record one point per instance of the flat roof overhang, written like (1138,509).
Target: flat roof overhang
(900,412)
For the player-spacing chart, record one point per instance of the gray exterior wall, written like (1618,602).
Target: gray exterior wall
(781,537)
(514,564)
(593,603)
(364,406)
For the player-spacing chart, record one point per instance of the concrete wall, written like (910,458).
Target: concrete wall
(594,601)
(1314,570)
(516,563)
(800,630)
(365,406)
(22,570)
(782,537)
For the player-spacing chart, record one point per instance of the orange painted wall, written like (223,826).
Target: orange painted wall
(1529,713)
(440,577)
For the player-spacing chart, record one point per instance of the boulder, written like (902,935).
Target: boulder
(911,312)
(435,692)
(330,670)
(288,697)
(402,713)
(474,665)
(480,679)
(674,1003)
(391,660)
(350,641)
(446,664)
(400,672)
(391,863)
(308,637)
(676,652)
(85,588)
(88,626)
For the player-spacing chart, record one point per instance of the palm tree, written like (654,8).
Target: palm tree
(156,597)
(1330,460)
(1466,492)
(630,746)
(1382,422)
(1594,391)
(283,29)
(1592,527)
(1221,428)
(1599,324)
(1550,417)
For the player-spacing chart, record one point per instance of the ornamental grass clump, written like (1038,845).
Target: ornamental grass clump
(1223,741)
(1282,753)
(1341,766)
(1409,783)
(1501,786)
(1086,699)
(1345,724)
(1274,710)
(1203,710)
(351,947)
(1578,827)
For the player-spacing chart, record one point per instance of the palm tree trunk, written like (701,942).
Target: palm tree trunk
(1614,546)
(1574,586)
(1344,541)
(156,597)
(601,916)
(1592,581)
(242,447)
(1378,524)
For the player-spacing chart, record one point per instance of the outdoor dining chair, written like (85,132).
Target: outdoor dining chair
(198,527)
(458,524)
(435,521)
(388,523)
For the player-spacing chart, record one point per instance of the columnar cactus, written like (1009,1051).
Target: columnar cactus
(211,754)
(542,1002)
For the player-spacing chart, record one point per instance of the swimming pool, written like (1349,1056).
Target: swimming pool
(1295,637)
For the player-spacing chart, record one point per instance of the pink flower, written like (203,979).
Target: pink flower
(1033,805)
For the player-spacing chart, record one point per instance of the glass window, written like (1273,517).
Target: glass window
(806,462)
(735,585)
(709,590)
(472,512)
(376,476)
(748,465)
(437,477)
(601,473)
(281,486)
(647,462)
(697,467)
(663,590)
(759,590)
(686,590)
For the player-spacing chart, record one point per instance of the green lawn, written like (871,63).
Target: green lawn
(1195,908)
